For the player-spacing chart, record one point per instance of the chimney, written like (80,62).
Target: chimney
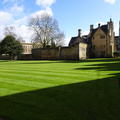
(91,27)
(79,32)
(99,25)
(110,19)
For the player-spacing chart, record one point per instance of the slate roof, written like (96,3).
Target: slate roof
(74,40)
(116,37)
(77,40)
(87,38)
(104,28)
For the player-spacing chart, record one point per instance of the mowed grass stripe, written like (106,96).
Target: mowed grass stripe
(26,83)
(35,90)
(68,71)
(40,73)
(52,72)
(48,78)
(7,87)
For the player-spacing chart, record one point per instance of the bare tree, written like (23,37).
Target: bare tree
(46,31)
(10,30)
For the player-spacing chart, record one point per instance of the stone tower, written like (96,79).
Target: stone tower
(111,40)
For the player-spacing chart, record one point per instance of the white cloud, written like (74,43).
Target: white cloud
(12,17)
(25,20)
(22,21)
(21,28)
(45,3)
(7,18)
(42,12)
(110,1)
(17,8)
(24,31)
(2,27)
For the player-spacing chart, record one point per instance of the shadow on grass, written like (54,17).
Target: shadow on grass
(107,66)
(90,100)
(71,61)
(51,62)
(94,100)
(102,60)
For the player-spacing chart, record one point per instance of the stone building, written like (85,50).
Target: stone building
(103,40)
(100,40)
(117,39)
(76,50)
(27,48)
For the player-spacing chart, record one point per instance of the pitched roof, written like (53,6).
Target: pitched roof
(117,37)
(104,28)
(87,38)
(77,40)
(74,40)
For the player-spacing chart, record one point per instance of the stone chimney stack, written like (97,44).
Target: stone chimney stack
(79,32)
(99,25)
(110,19)
(91,27)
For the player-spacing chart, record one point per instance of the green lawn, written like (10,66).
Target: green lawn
(60,90)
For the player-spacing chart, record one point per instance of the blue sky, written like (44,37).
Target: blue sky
(70,14)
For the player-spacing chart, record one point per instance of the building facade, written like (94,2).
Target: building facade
(101,40)
(117,39)
(27,48)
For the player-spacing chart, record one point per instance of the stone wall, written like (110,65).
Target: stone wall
(82,51)
(25,57)
(45,54)
(76,52)
(62,53)
(4,57)
(69,53)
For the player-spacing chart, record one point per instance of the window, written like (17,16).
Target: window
(102,37)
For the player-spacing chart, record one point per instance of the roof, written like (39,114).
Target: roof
(77,40)
(74,40)
(104,28)
(27,43)
(87,38)
(117,37)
